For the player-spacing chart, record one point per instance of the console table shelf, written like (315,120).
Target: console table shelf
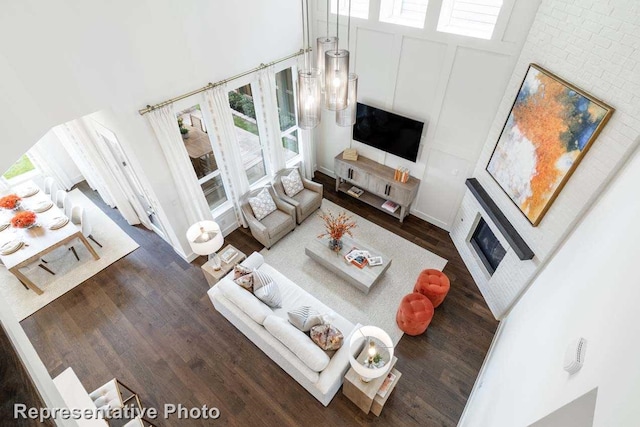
(377,182)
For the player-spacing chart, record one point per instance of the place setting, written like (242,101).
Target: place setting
(58,222)
(11,246)
(42,206)
(28,192)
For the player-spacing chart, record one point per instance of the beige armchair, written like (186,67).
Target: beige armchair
(272,227)
(307,201)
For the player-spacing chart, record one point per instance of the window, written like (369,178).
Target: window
(287,113)
(22,166)
(196,141)
(410,13)
(244,117)
(473,18)
(359,8)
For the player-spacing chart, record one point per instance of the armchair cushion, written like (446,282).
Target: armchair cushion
(307,200)
(292,183)
(276,222)
(262,204)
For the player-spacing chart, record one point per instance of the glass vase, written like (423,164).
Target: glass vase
(335,245)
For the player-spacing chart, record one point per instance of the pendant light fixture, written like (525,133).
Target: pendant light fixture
(323,45)
(336,71)
(347,116)
(309,84)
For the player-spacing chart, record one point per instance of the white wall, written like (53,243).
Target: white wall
(595,46)
(54,151)
(589,289)
(63,60)
(451,82)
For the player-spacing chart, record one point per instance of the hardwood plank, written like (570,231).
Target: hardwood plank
(148,321)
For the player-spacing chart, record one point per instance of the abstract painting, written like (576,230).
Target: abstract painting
(551,126)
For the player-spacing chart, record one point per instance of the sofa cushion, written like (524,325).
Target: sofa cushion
(262,204)
(292,183)
(304,318)
(276,222)
(266,290)
(245,301)
(298,342)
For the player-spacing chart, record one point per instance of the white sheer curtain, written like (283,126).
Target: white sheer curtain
(164,123)
(273,142)
(224,131)
(41,159)
(308,152)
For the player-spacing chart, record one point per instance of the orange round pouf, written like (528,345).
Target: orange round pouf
(414,314)
(434,285)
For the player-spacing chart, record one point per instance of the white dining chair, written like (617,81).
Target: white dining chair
(53,190)
(86,228)
(68,207)
(60,197)
(48,182)
(76,214)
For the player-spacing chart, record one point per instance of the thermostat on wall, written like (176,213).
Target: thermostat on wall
(574,357)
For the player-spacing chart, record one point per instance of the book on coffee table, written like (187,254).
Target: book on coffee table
(355,191)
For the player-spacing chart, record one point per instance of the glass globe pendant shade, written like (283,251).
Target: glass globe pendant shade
(324,44)
(309,98)
(347,117)
(336,71)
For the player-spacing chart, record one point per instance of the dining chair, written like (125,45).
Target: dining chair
(86,228)
(68,207)
(48,182)
(53,190)
(76,214)
(60,197)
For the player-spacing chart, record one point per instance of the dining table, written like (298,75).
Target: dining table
(39,239)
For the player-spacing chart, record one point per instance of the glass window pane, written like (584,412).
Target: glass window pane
(23,165)
(290,144)
(411,13)
(244,118)
(284,95)
(473,18)
(359,8)
(213,190)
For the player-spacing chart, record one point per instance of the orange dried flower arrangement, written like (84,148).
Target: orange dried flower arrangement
(336,227)
(23,219)
(10,202)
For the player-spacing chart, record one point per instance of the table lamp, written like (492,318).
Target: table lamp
(205,238)
(375,361)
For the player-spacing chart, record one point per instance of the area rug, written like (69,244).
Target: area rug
(379,306)
(69,272)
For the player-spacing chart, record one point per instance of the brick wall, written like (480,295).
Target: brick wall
(596,46)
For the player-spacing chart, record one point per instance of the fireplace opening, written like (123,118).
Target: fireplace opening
(487,246)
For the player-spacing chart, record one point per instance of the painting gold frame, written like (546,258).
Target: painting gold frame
(510,141)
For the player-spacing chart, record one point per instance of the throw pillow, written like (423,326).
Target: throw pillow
(292,183)
(328,337)
(240,270)
(262,204)
(266,290)
(243,276)
(304,318)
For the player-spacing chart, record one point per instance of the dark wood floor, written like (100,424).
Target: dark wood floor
(147,320)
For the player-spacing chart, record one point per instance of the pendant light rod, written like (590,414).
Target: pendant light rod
(349,27)
(328,10)
(337,24)
(308,36)
(304,45)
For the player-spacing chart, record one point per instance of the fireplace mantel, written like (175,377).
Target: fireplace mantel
(512,236)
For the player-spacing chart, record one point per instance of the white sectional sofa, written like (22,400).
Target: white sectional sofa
(320,373)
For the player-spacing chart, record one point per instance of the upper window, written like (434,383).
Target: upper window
(22,166)
(410,13)
(473,18)
(287,113)
(359,8)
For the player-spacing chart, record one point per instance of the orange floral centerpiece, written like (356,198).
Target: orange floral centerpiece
(10,202)
(23,219)
(337,226)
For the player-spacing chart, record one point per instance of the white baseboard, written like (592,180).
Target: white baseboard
(431,220)
(327,171)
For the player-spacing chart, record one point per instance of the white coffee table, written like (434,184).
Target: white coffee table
(361,278)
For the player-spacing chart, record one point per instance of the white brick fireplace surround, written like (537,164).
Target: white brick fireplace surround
(595,46)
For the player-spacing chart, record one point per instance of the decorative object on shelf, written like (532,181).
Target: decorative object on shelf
(323,45)
(309,85)
(355,191)
(336,227)
(551,126)
(229,254)
(401,175)
(205,238)
(183,130)
(25,219)
(10,202)
(336,74)
(379,352)
(350,154)
(347,116)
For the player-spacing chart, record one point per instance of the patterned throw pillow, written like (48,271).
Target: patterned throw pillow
(243,277)
(240,270)
(304,318)
(262,204)
(266,290)
(292,183)
(328,337)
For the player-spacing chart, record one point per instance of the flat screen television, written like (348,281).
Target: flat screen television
(388,132)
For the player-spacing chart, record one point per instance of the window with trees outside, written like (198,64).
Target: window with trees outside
(287,113)
(21,167)
(244,118)
(198,146)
